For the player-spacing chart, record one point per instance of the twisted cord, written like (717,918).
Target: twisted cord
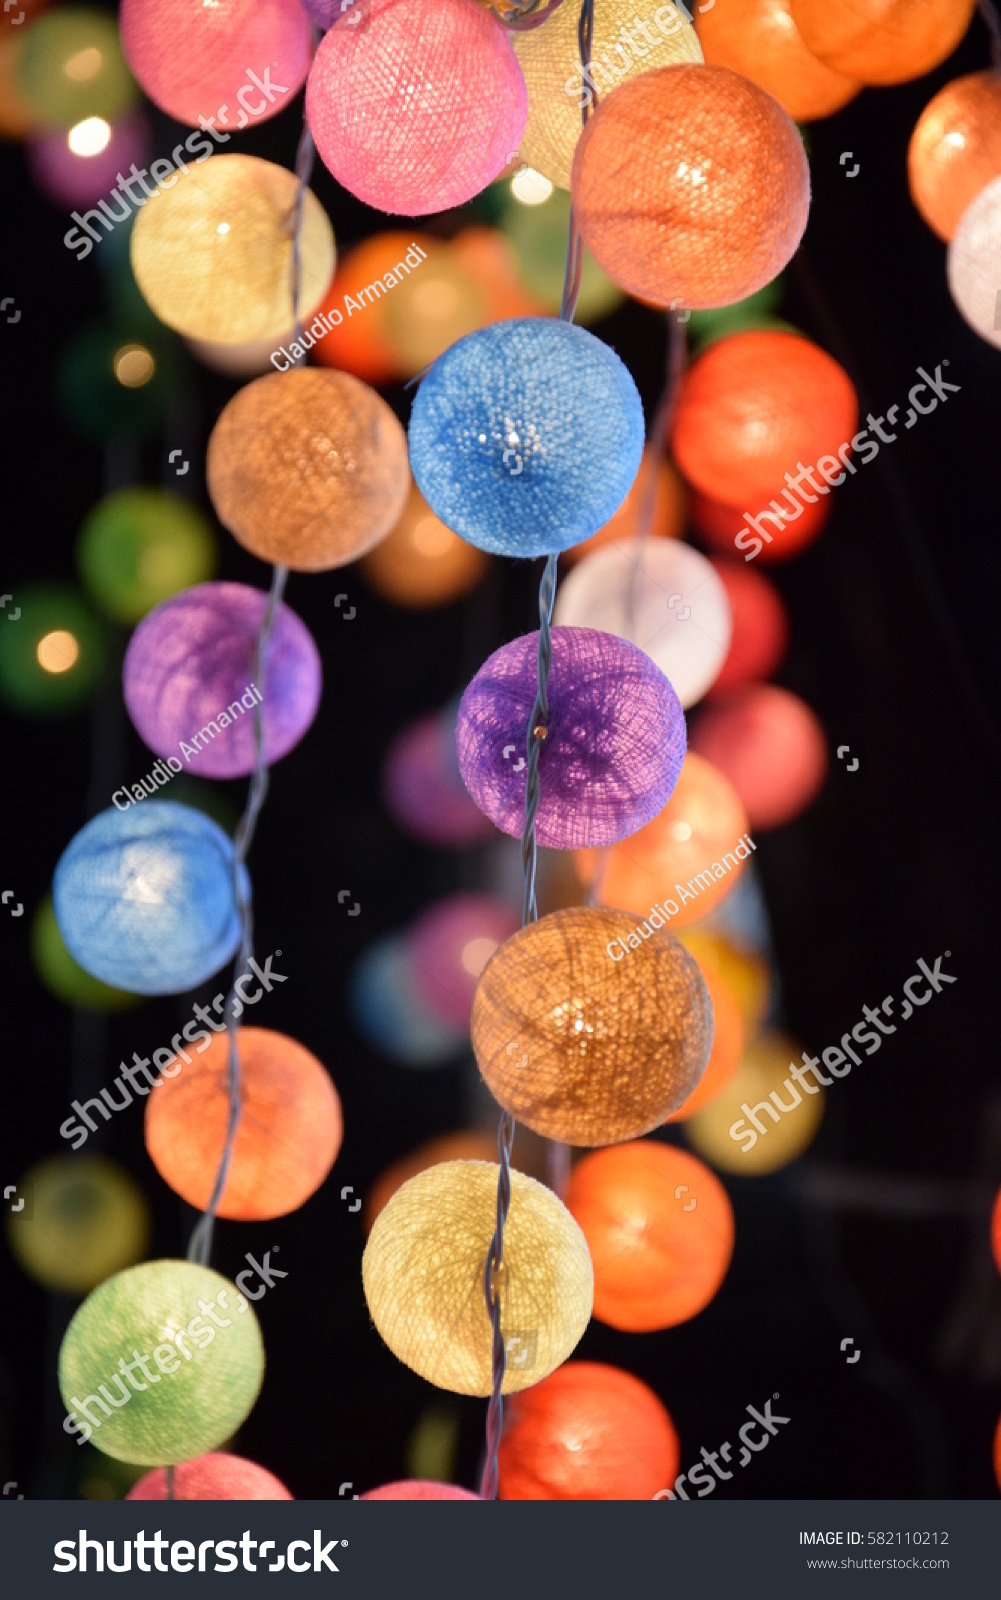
(989,13)
(522,17)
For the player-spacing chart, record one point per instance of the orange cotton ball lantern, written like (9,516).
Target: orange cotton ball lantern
(489,255)
(703,821)
(690,182)
(287,1137)
(656,485)
(659,1227)
(760,634)
(955,149)
(728,1042)
(770,745)
(357,342)
(996,1230)
(882,41)
(788,532)
(760,405)
(587,1432)
(760,39)
(308,468)
(421,562)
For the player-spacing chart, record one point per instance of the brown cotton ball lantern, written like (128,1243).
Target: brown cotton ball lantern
(308,468)
(423,1268)
(591,1027)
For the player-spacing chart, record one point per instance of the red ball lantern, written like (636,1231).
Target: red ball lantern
(996,1230)
(760,634)
(216,1476)
(721,526)
(772,748)
(418,1489)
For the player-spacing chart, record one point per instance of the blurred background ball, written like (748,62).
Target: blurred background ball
(759,39)
(744,974)
(450,944)
(538,235)
(422,786)
(720,526)
(770,745)
(764,1069)
(116,378)
(661,595)
(389,1012)
(139,546)
(883,41)
(658,1257)
(52,655)
(216,1476)
(213,255)
(195,656)
(955,149)
(308,468)
(439,303)
(974,263)
(760,634)
(78,166)
(358,344)
(655,502)
(587,1432)
(421,563)
(144,898)
(83,1219)
(72,67)
(729,1036)
(65,977)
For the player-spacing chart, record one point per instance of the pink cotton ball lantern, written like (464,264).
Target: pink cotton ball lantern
(80,165)
(760,634)
(215,1476)
(422,788)
(770,745)
(450,944)
(420,108)
(232,62)
(419,1489)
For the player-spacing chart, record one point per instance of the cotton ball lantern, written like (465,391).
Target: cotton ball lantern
(883,41)
(308,468)
(760,634)
(423,1266)
(216,1476)
(662,596)
(783,533)
(247,360)
(439,303)
(955,149)
(191,57)
(761,1121)
(450,944)
(82,1219)
(590,1027)
(356,342)
(656,482)
(997,1454)
(422,788)
(117,377)
(139,546)
(760,39)
(973,265)
(418,1489)
(18,116)
(189,679)
(213,258)
(526,436)
(771,747)
(421,563)
(468,1145)
(745,975)
(755,407)
(703,825)
(439,81)
(71,67)
(729,1036)
(555,101)
(144,898)
(78,167)
(658,1257)
(613,747)
(589,1432)
(996,1230)
(53,655)
(287,1137)
(64,977)
(388,1011)
(152,1315)
(691,183)
(490,256)
(537,233)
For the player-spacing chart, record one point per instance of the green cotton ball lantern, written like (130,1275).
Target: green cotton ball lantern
(64,976)
(139,547)
(538,234)
(52,650)
(116,378)
(82,1219)
(72,67)
(161,1363)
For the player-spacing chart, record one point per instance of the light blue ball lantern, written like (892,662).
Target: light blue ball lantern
(526,436)
(144,897)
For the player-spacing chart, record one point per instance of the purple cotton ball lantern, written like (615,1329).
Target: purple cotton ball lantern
(79,166)
(422,789)
(450,944)
(615,738)
(189,678)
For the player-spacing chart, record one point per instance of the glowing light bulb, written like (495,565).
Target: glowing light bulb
(89,137)
(530,187)
(134,366)
(57,651)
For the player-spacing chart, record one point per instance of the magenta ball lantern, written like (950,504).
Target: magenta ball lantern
(215,1476)
(422,788)
(449,946)
(419,1489)
(232,62)
(190,683)
(75,167)
(613,746)
(417,107)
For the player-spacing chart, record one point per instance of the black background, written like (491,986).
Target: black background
(893,614)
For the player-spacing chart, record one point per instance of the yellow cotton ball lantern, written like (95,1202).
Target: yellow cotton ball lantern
(212,251)
(423,1277)
(308,468)
(558,89)
(81,1218)
(763,1118)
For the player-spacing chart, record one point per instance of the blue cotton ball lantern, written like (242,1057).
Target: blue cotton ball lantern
(389,1012)
(144,898)
(610,751)
(525,436)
